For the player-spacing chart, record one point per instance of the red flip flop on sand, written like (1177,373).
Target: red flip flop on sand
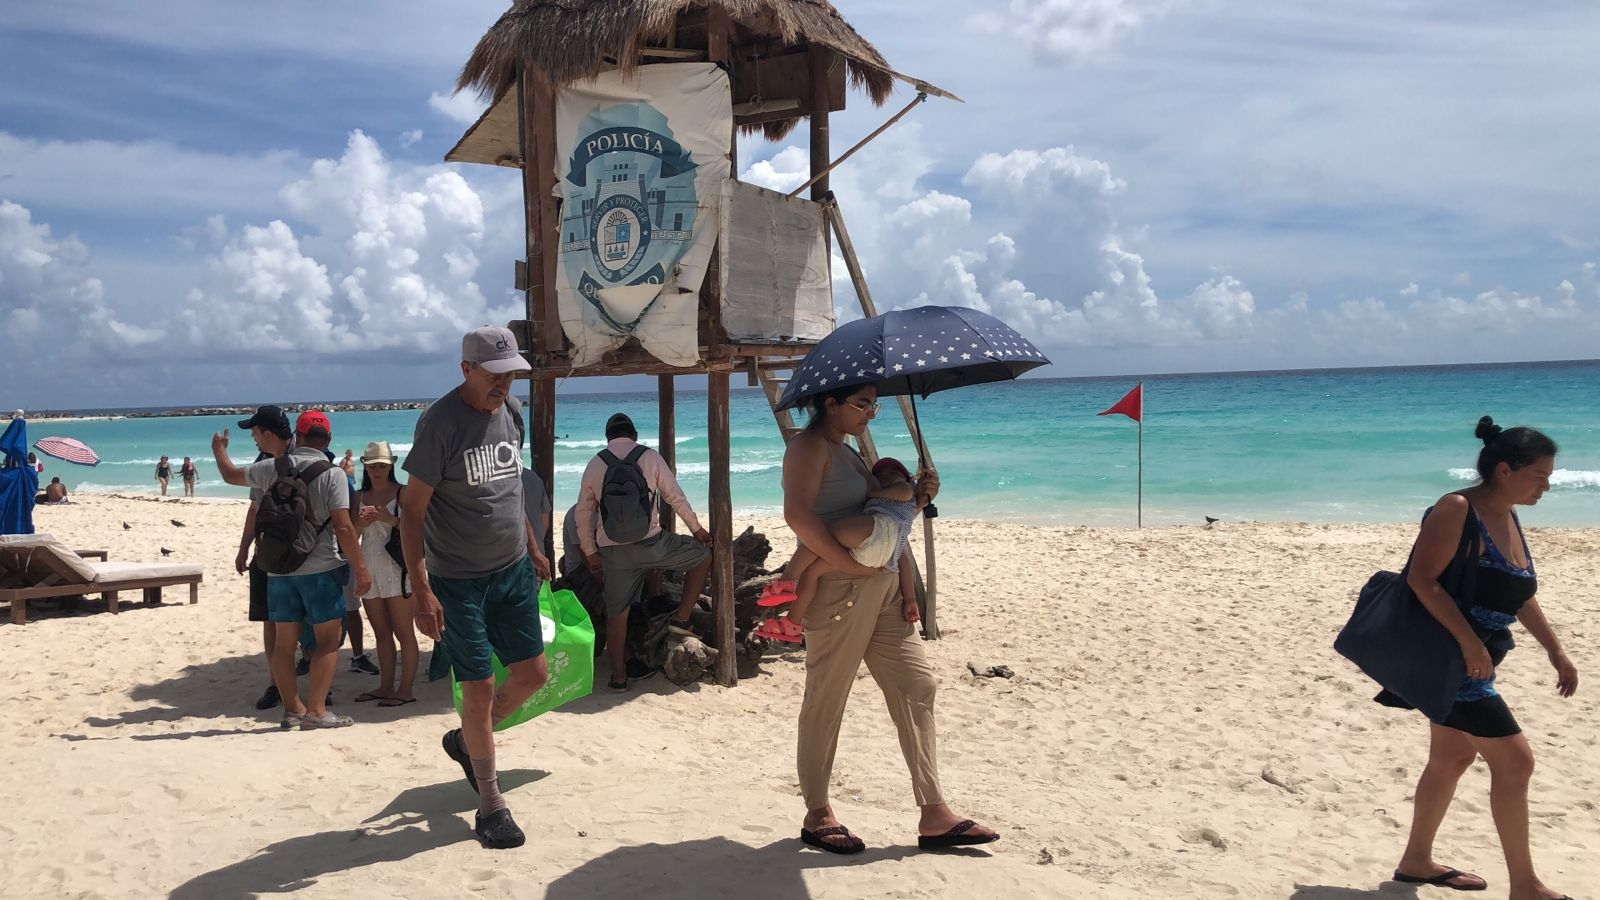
(779,628)
(777,593)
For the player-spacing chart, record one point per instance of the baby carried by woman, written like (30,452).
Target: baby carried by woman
(877,536)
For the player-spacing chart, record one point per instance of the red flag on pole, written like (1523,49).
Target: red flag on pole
(1131,405)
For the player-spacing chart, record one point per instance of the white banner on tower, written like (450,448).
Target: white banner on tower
(641,159)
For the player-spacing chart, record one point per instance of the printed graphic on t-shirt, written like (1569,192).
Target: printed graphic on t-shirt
(492,462)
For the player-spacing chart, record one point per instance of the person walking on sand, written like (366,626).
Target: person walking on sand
(309,593)
(163,474)
(189,474)
(471,557)
(1515,466)
(389,605)
(858,615)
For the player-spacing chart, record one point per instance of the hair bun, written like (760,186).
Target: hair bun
(1487,430)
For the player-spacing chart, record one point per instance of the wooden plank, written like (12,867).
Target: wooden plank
(718,436)
(519,279)
(667,437)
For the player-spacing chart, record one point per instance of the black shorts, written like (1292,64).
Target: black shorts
(1486,718)
(258,593)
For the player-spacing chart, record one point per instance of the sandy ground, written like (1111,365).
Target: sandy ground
(1159,674)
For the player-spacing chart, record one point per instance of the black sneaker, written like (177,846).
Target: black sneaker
(269,698)
(303,667)
(362,664)
(497,831)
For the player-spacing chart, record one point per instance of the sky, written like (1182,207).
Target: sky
(222,203)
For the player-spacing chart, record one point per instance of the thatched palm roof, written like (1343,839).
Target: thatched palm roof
(570,40)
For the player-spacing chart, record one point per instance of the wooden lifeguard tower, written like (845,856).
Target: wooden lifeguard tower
(785,60)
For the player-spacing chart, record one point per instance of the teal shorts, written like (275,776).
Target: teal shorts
(496,613)
(312,599)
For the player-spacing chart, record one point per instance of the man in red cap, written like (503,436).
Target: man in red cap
(310,593)
(314,429)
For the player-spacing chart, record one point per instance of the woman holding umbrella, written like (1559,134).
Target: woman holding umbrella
(858,616)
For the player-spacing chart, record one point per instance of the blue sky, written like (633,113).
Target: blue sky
(208,202)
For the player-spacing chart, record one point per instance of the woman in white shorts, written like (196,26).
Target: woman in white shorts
(389,608)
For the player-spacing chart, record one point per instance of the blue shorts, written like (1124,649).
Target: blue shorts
(496,613)
(313,599)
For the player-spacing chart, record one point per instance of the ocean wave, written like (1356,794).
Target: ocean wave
(600,444)
(1560,478)
(682,469)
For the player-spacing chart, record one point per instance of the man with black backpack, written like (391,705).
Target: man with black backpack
(302,511)
(622,484)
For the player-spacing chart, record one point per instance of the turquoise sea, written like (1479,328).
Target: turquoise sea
(1355,445)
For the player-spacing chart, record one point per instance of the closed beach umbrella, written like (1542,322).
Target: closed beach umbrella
(19,482)
(67,449)
(914,351)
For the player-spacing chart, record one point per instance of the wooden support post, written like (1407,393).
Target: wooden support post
(667,434)
(721,527)
(541,420)
(819,59)
(536,120)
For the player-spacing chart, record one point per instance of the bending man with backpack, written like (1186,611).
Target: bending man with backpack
(622,482)
(303,510)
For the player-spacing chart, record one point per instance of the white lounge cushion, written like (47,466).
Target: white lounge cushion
(21,545)
(124,571)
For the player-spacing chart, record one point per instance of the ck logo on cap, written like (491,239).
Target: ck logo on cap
(501,344)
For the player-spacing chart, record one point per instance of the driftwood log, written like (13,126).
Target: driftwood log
(684,660)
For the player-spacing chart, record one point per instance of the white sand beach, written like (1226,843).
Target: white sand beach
(1159,675)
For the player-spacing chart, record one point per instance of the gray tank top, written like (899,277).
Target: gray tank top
(844,485)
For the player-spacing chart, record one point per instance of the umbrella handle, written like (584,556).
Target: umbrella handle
(930,511)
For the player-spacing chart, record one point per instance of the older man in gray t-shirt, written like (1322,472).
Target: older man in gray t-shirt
(472,557)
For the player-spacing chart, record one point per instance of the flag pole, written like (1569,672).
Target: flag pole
(1139,509)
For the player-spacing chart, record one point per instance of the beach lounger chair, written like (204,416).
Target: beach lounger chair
(37,566)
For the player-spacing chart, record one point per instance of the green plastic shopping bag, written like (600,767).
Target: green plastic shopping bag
(568,651)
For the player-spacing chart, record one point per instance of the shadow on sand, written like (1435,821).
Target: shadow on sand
(422,819)
(1389,890)
(711,867)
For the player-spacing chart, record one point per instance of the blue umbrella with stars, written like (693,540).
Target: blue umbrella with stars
(914,351)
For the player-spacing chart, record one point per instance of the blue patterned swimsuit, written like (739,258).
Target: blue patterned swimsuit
(1501,590)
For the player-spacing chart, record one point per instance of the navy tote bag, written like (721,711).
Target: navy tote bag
(1393,638)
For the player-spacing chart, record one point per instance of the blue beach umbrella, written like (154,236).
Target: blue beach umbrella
(914,352)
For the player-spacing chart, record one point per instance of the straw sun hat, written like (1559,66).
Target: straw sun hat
(377,452)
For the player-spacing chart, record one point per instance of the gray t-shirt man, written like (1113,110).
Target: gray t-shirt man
(328,493)
(473,462)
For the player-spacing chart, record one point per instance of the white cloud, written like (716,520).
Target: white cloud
(53,308)
(1059,31)
(1035,238)
(408,138)
(464,107)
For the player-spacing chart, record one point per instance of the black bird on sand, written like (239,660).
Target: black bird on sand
(126,527)
(178,524)
(1212,520)
(165,552)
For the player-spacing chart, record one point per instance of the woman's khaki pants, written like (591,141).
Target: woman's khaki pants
(853,620)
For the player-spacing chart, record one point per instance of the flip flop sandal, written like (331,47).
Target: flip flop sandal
(781,629)
(957,836)
(498,831)
(328,721)
(454,750)
(777,593)
(816,839)
(1443,879)
(391,702)
(369,696)
(618,686)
